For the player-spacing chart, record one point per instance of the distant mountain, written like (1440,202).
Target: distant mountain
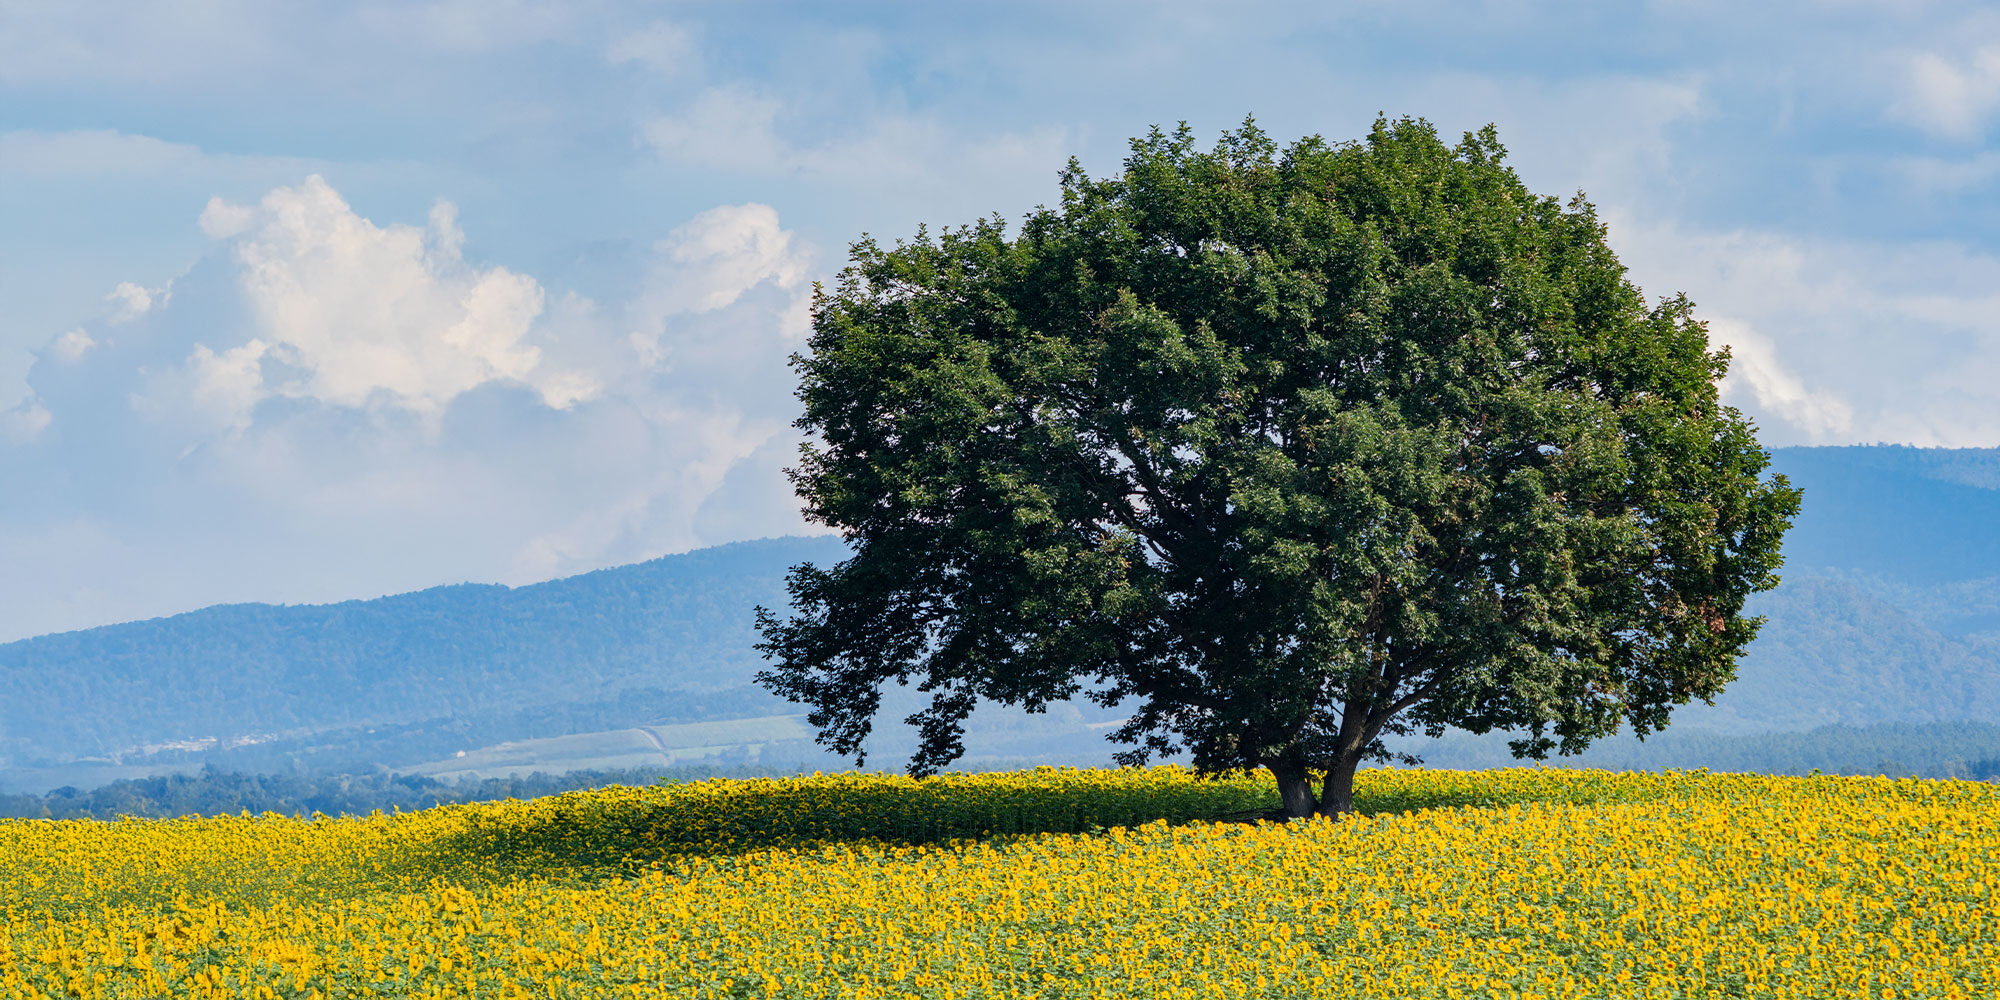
(679,626)
(1890,606)
(1890,613)
(1843,649)
(1923,516)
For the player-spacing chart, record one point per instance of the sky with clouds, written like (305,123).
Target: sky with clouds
(304,302)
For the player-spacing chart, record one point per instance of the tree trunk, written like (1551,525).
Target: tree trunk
(1337,796)
(1294,789)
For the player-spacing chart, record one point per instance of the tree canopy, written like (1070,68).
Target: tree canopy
(1284,451)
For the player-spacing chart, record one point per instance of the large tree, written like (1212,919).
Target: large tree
(1285,451)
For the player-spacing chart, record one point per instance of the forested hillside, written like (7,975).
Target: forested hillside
(466,653)
(1890,613)
(1923,516)
(1890,607)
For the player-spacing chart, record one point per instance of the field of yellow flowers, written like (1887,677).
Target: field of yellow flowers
(1048,883)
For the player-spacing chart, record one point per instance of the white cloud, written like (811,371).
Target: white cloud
(73,345)
(1754,364)
(365,400)
(710,263)
(722,253)
(369,315)
(221,219)
(1953,98)
(662,501)
(225,385)
(130,301)
(1840,341)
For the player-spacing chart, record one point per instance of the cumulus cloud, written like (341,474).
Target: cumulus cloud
(364,399)
(1754,364)
(357,314)
(72,345)
(722,253)
(221,219)
(1840,341)
(707,265)
(129,302)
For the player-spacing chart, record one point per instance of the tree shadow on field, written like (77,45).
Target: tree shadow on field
(618,831)
(614,832)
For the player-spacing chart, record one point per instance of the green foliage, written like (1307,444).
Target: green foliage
(1287,451)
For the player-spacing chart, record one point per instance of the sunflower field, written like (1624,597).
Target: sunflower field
(1150,883)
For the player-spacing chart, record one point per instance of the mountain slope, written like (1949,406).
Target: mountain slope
(1836,650)
(1918,515)
(681,623)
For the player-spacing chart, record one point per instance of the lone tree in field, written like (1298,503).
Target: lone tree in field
(1285,450)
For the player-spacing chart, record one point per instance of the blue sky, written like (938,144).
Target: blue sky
(304,302)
